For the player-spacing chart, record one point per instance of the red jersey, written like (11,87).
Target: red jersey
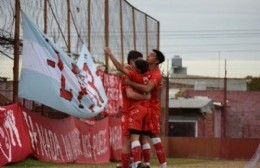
(138,78)
(135,76)
(154,76)
(138,109)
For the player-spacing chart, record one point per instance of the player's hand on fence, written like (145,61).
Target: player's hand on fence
(108,52)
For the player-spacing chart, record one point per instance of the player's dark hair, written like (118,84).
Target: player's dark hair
(141,65)
(133,55)
(159,56)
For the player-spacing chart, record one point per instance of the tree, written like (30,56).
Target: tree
(253,83)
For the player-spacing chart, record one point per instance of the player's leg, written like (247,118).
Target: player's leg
(135,126)
(145,138)
(136,149)
(125,154)
(156,140)
(126,143)
(146,150)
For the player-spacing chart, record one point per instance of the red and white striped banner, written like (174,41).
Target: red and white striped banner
(23,132)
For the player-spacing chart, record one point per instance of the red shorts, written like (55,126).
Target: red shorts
(138,117)
(153,124)
(124,124)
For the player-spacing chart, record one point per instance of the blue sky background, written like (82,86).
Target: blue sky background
(206,32)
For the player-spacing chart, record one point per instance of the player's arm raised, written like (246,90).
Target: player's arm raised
(117,64)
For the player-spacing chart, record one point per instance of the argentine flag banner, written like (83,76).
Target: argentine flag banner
(50,77)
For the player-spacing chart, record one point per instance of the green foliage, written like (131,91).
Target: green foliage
(253,83)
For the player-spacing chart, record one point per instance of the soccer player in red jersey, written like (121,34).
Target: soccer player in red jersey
(153,84)
(131,99)
(138,116)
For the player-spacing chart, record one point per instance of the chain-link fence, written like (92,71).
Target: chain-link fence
(97,24)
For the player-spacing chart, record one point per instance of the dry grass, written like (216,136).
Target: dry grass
(172,163)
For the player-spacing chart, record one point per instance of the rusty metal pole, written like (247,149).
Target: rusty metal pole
(134,30)
(45,17)
(158,36)
(107,32)
(121,32)
(68,24)
(89,26)
(146,34)
(16,50)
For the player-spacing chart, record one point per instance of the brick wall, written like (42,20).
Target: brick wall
(206,126)
(211,148)
(243,111)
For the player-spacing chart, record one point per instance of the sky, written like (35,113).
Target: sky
(205,33)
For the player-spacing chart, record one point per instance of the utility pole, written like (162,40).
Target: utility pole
(167,100)
(219,69)
(224,114)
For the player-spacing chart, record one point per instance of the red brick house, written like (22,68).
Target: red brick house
(242,113)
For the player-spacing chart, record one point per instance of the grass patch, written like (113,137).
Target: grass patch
(172,163)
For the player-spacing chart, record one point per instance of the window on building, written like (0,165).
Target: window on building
(182,129)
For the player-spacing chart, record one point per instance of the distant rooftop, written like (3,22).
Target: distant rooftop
(202,103)
(233,84)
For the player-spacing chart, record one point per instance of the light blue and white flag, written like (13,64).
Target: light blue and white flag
(50,77)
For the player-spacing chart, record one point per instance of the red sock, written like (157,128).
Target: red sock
(136,151)
(159,150)
(125,158)
(147,153)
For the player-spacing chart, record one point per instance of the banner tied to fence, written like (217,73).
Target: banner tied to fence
(49,76)
(25,133)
